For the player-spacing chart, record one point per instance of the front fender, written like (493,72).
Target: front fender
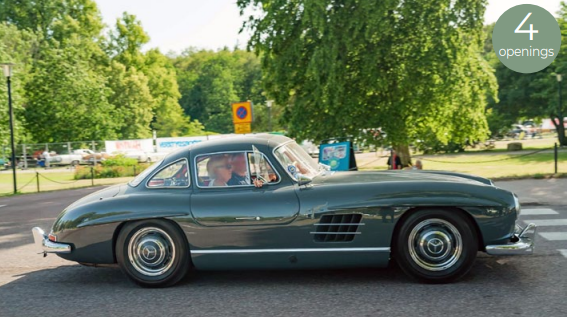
(91,227)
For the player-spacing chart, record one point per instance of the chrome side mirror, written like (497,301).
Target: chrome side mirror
(302,179)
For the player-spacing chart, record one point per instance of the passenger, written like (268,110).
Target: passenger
(240,174)
(418,165)
(219,170)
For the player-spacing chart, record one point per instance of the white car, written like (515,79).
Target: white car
(142,156)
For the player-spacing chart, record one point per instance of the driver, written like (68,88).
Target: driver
(240,174)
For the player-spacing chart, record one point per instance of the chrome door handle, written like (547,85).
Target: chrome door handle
(248,218)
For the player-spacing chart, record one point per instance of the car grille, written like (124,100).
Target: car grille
(337,228)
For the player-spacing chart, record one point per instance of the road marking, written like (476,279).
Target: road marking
(3,206)
(563,252)
(538,211)
(547,222)
(554,236)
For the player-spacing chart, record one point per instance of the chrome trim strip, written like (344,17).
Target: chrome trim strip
(229,251)
(323,232)
(340,224)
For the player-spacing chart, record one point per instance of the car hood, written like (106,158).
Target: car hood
(108,192)
(398,176)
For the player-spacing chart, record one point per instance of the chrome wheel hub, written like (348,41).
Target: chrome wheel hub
(151,251)
(435,244)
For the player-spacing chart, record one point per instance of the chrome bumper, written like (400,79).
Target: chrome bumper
(46,245)
(520,244)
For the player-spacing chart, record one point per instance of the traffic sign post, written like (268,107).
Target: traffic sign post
(242,128)
(242,112)
(242,116)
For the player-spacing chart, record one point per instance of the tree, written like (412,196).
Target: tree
(66,98)
(535,95)
(16,46)
(132,100)
(210,81)
(125,45)
(53,19)
(411,67)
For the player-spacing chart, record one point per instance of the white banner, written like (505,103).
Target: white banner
(144,145)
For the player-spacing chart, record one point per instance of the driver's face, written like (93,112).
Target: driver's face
(239,164)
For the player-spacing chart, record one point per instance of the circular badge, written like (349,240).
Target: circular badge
(291,169)
(241,112)
(526,38)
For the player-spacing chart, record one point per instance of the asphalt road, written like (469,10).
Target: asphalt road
(31,285)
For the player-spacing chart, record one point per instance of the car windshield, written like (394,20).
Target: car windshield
(295,160)
(138,179)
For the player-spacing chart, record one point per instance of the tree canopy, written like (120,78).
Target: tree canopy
(528,96)
(411,67)
(72,82)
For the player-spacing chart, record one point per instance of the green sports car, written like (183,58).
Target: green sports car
(261,202)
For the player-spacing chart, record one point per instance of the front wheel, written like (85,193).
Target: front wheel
(436,246)
(153,253)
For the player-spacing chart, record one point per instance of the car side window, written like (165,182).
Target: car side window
(174,175)
(233,169)
(222,170)
(261,169)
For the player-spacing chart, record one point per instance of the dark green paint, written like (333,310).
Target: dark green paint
(287,212)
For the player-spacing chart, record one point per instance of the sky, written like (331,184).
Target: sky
(174,25)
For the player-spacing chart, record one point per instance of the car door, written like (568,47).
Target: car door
(274,204)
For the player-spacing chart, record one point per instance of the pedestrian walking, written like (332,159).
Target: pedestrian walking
(394,162)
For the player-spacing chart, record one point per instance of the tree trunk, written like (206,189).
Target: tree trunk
(560,130)
(403,153)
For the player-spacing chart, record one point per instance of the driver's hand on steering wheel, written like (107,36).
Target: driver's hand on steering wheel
(258,183)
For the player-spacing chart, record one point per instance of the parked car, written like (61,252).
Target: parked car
(516,131)
(182,214)
(73,159)
(142,156)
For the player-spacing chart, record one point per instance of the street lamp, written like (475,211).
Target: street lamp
(7,68)
(269,106)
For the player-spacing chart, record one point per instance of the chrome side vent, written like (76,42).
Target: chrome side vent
(337,228)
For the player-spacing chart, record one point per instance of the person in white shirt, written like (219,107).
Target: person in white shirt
(46,157)
(219,170)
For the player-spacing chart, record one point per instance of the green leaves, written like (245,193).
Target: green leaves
(410,67)
(72,83)
(529,96)
(210,81)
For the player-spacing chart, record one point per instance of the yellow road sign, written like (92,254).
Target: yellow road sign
(242,112)
(242,128)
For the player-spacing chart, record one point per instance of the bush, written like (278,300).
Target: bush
(119,160)
(99,171)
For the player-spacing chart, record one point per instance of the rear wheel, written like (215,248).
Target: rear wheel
(436,246)
(153,253)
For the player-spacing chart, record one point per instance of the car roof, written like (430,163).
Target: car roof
(236,142)
(260,139)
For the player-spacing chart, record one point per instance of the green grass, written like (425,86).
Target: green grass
(487,165)
(27,183)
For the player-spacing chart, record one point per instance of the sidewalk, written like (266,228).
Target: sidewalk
(538,191)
